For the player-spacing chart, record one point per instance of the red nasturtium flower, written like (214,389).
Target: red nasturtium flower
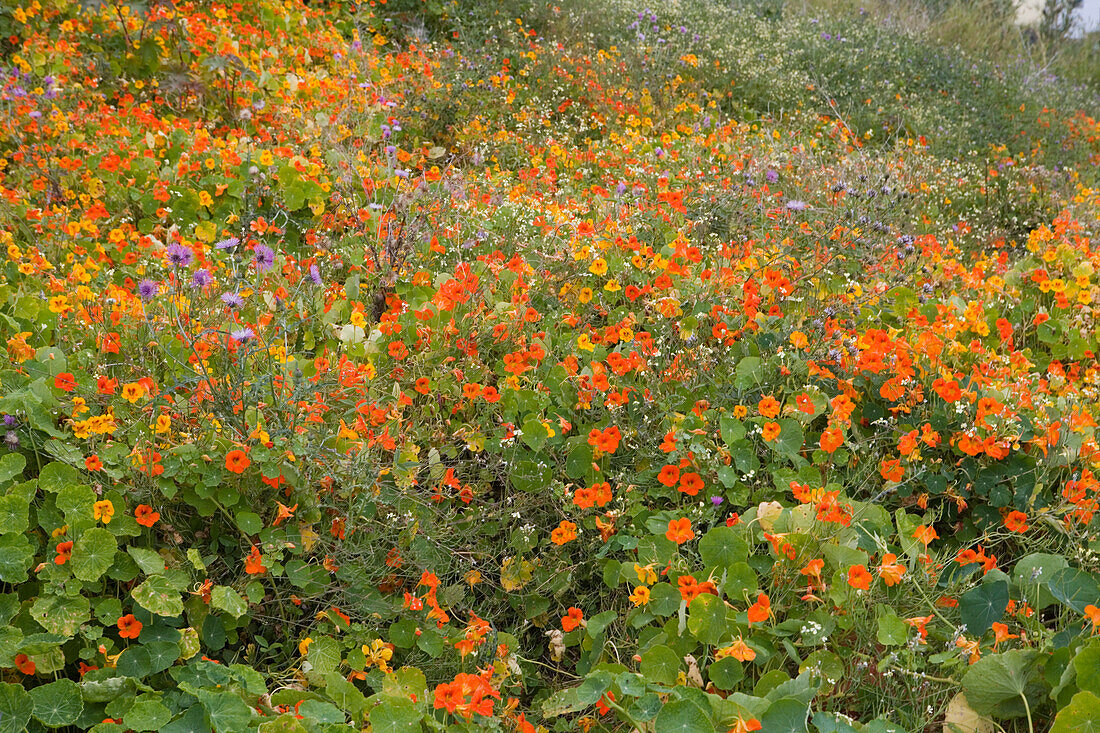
(1016,521)
(64,552)
(572,619)
(92,463)
(237,461)
(129,627)
(145,515)
(761,610)
(564,532)
(858,577)
(24,664)
(254,564)
(65,381)
(691,483)
(679,530)
(669,475)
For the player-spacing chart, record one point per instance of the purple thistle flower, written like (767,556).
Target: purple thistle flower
(265,257)
(202,278)
(243,334)
(179,255)
(716,500)
(796,205)
(315,274)
(227,243)
(147,289)
(233,300)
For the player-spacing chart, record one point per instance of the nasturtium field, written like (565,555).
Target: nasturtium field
(505,366)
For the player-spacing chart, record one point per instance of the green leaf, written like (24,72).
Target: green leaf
(790,437)
(16,708)
(682,716)
(1086,664)
(996,678)
(785,715)
(227,712)
(707,619)
(579,461)
(1079,716)
(593,687)
(661,665)
(722,546)
(285,723)
(157,596)
(249,522)
(59,615)
(1075,588)
(57,703)
(162,654)
(1031,575)
(530,476)
(16,557)
(322,712)
(75,502)
(732,430)
(726,673)
(56,476)
(147,713)
(151,563)
(11,465)
(892,630)
(228,600)
(13,514)
(323,654)
(982,606)
(93,554)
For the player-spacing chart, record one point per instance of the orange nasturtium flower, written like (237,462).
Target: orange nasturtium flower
(739,650)
(24,664)
(890,571)
(1092,613)
(64,552)
(768,406)
(1000,633)
(761,610)
(564,532)
(572,619)
(831,439)
(1016,521)
(145,515)
(771,431)
(103,510)
(254,564)
(237,461)
(133,392)
(640,596)
(93,463)
(858,577)
(669,475)
(925,534)
(679,530)
(129,627)
(285,512)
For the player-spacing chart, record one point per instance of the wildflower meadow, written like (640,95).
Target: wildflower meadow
(516,366)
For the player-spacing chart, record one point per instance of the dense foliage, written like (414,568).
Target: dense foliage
(702,371)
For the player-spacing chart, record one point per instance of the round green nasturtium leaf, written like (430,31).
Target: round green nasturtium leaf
(59,615)
(682,716)
(147,713)
(93,554)
(726,673)
(285,723)
(722,546)
(1031,574)
(228,600)
(1075,588)
(323,654)
(395,715)
(16,708)
(227,712)
(825,665)
(708,620)
(156,595)
(981,607)
(16,557)
(57,703)
(1086,664)
(998,678)
(1079,716)
(75,501)
(661,665)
